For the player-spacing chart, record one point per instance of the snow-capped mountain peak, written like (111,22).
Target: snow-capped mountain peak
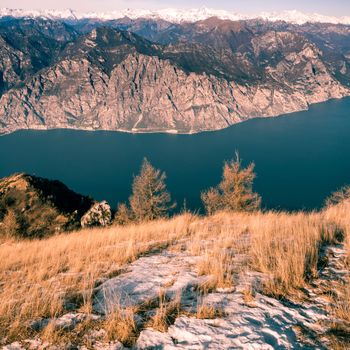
(50,14)
(177,15)
(298,17)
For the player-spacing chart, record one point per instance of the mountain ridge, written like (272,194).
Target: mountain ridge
(177,15)
(189,78)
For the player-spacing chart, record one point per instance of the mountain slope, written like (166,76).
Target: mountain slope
(28,45)
(208,76)
(33,207)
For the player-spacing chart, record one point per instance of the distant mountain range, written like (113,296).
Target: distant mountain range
(177,15)
(145,72)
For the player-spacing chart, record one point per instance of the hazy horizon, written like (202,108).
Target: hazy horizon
(325,7)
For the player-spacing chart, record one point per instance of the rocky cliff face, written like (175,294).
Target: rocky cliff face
(211,75)
(28,45)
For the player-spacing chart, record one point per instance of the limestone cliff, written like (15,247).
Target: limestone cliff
(115,80)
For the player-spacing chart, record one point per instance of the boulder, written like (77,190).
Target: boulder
(100,214)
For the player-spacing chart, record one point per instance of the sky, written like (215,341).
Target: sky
(326,7)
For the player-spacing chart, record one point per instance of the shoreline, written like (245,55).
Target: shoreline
(134,131)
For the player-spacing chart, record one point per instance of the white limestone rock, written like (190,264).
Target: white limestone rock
(100,214)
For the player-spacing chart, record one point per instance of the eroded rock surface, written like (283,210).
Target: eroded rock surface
(260,323)
(146,278)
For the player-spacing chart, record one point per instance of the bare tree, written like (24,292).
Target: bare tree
(235,191)
(150,199)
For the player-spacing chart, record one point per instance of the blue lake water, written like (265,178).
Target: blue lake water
(300,158)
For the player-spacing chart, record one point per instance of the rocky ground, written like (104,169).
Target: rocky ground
(241,316)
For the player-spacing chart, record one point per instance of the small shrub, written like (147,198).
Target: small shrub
(212,200)
(9,226)
(123,215)
(338,197)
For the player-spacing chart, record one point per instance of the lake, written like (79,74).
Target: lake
(300,158)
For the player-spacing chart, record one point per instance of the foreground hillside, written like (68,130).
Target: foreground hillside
(233,280)
(35,207)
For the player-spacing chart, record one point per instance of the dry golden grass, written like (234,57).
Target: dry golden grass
(208,286)
(342,304)
(120,325)
(37,277)
(248,295)
(284,246)
(208,311)
(166,313)
(51,334)
(339,215)
(221,270)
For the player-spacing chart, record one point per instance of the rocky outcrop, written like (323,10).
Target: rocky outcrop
(100,214)
(113,80)
(34,207)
